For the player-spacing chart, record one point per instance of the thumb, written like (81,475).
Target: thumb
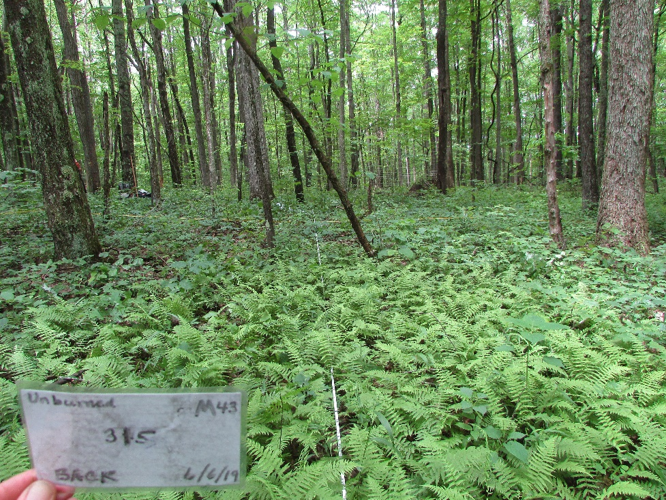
(39,490)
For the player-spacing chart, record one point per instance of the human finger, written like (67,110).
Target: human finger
(12,488)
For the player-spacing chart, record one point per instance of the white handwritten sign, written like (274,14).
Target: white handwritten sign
(136,439)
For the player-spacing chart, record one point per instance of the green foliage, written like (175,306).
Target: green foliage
(483,363)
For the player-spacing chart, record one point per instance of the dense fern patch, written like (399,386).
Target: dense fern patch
(471,360)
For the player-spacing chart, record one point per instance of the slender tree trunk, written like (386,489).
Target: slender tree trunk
(445,171)
(655,47)
(622,204)
(156,35)
(194,94)
(353,133)
(342,150)
(289,122)
(80,96)
(212,129)
(547,36)
(603,85)
(233,154)
(569,130)
(106,147)
(590,191)
(427,91)
(8,114)
(477,169)
(398,99)
(65,200)
(127,159)
(518,160)
(556,57)
(497,171)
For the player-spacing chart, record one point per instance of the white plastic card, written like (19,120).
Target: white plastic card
(135,439)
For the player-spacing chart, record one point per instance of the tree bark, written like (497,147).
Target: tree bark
(351,104)
(474,67)
(323,158)
(445,171)
(342,149)
(9,131)
(398,98)
(174,163)
(518,160)
(655,47)
(212,130)
(603,85)
(233,154)
(80,97)
(127,159)
(427,91)
(196,101)
(622,204)
(65,200)
(288,120)
(590,190)
(556,58)
(547,30)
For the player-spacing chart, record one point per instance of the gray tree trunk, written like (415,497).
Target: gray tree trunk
(68,214)
(547,31)
(518,160)
(622,203)
(80,97)
(9,131)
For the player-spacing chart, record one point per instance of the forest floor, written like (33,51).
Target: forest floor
(472,358)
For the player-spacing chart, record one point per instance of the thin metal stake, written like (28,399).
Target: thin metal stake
(337,431)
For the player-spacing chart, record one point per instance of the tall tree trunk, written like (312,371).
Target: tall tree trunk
(67,210)
(9,131)
(252,112)
(398,99)
(445,177)
(603,85)
(212,129)
(196,101)
(144,80)
(342,150)
(174,163)
(655,47)
(570,92)
(547,36)
(106,147)
(497,43)
(80,96)
(518,160)
(427,90)
(233,154)
(622,204)
(556,58)
(353,132)
(127,159)
(289,122)
(590,190)
(474,67)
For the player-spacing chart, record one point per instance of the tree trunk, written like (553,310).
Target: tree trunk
(569,130)
(427,92)
(127,159)
(622,204)
(233,154)
(342,150)
(590,190)
(289,122)
(9,131)
(655,47)
(80,96)
(324,159)
(65,200)
(106,147)
(556,58)
(497,42)
(445,177)
(603,85)
(474,67)
(194,94)
(174,163)
(398,99)
(547,31)
(353,133)
(212,130)
(518,160)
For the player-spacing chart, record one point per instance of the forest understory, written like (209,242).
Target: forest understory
(472,358)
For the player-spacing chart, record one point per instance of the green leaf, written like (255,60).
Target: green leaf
(102,21)
(553,361)
(517,450)
(406,252)
(371,175)
(171,18)
(385,423)
(492,432)
(505,348)
(465,405)
(482,409)
(227,43)
(533,338)
(137,23)
(625,489)
(7,295)
(303,32)
(277,52)
(466,392)
(159,23)
(516,435)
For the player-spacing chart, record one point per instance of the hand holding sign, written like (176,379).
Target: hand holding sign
(139,439)
(25,486)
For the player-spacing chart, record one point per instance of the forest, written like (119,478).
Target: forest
(427,239)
